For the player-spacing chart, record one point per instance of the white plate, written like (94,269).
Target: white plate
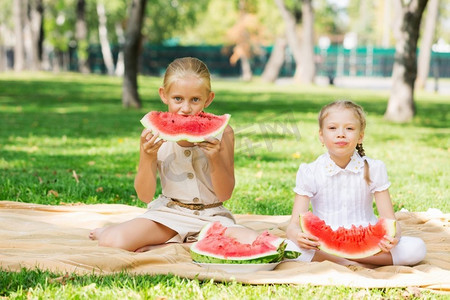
(239,268)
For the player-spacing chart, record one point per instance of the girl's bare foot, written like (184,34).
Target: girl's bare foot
(94,234)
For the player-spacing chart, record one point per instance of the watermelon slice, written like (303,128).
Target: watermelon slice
(353,243)
(192,128)
(213,246)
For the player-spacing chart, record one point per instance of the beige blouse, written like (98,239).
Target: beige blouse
(184,174)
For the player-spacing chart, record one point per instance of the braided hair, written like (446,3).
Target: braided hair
(359,113)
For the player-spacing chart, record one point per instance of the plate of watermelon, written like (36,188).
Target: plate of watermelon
(215,250)
(239,268)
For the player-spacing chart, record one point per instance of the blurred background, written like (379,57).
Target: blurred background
(234,37)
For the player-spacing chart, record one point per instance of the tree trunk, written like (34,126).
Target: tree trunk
(386,38)
(247,74)
(275,62)
(292,37)
(400,107)
(2,56)
(104,42)
(308,67)
(81,32)
(130,96)
(120,68)
(35,20)
(19,47)
(423,65)
(244,44)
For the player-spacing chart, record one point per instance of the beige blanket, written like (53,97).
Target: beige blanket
(56,238)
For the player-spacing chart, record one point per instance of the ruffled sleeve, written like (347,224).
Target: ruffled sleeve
(378,176)
(304,184)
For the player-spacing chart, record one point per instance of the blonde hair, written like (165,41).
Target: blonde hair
(185,66)
(360,115)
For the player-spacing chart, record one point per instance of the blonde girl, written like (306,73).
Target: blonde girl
(196,178)
(341,186)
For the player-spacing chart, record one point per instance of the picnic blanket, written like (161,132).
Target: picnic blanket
(55,238)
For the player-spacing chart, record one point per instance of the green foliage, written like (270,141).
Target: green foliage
(328,19)
(59,23)
(5,14)
(164,18)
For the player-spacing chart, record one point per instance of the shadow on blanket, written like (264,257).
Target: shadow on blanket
(55,238)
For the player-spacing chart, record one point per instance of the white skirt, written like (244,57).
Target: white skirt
(186,222)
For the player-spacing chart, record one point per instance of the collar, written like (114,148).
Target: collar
(355,165)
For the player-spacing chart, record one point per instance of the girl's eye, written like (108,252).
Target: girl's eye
(331,127)
(350,128)
(177,98)
(195,100)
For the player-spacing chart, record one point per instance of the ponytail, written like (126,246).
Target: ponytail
(361,152)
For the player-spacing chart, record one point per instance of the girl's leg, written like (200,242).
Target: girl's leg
(322,256)
(409,251)
(133,234)
(242,234)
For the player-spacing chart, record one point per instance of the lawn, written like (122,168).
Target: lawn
(65,138)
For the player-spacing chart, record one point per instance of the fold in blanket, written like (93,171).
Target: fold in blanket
(55,238)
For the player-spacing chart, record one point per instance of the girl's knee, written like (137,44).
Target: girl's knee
(409,251)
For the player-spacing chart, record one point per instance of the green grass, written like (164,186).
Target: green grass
(56,129)
(36,284)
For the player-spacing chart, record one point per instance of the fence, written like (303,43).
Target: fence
(335,61)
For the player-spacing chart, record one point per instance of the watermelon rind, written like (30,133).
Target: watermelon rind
(272,256)
(190,137)
(389,226)
(267,257)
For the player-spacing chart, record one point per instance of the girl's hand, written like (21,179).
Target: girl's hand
(388,243)
(304,240)
(149,143)
(211,147)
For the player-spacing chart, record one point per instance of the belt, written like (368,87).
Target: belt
(192,206)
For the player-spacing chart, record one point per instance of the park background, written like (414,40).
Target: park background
(67,136)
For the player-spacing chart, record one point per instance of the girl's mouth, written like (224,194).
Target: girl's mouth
(341,143)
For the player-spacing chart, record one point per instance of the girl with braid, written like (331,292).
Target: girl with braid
(341,186)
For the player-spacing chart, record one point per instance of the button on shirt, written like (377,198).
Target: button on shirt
(342,197)
(184,174)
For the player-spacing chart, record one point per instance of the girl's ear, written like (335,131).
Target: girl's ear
(162,95)
(321,136)
(210,99)
(361,137)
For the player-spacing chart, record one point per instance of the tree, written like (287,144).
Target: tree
(292,36)
(276,61)
(246,37)
(423,63)
(302,50)
(81,33)
(104,41)
(307,67)
(130,96)
(34,21)
(19,47)
(401,107)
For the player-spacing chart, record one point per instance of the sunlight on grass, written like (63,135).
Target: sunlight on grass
(55,124)
(65,138)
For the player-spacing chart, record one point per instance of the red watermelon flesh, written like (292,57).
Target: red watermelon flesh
(355,242)
(214,246)
(192,128)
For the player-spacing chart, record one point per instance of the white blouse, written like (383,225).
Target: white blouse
(342,197)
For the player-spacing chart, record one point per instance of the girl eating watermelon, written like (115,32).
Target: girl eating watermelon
(341,185)
(196,178)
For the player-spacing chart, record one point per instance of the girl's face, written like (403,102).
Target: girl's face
(340,133)
(186,96)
